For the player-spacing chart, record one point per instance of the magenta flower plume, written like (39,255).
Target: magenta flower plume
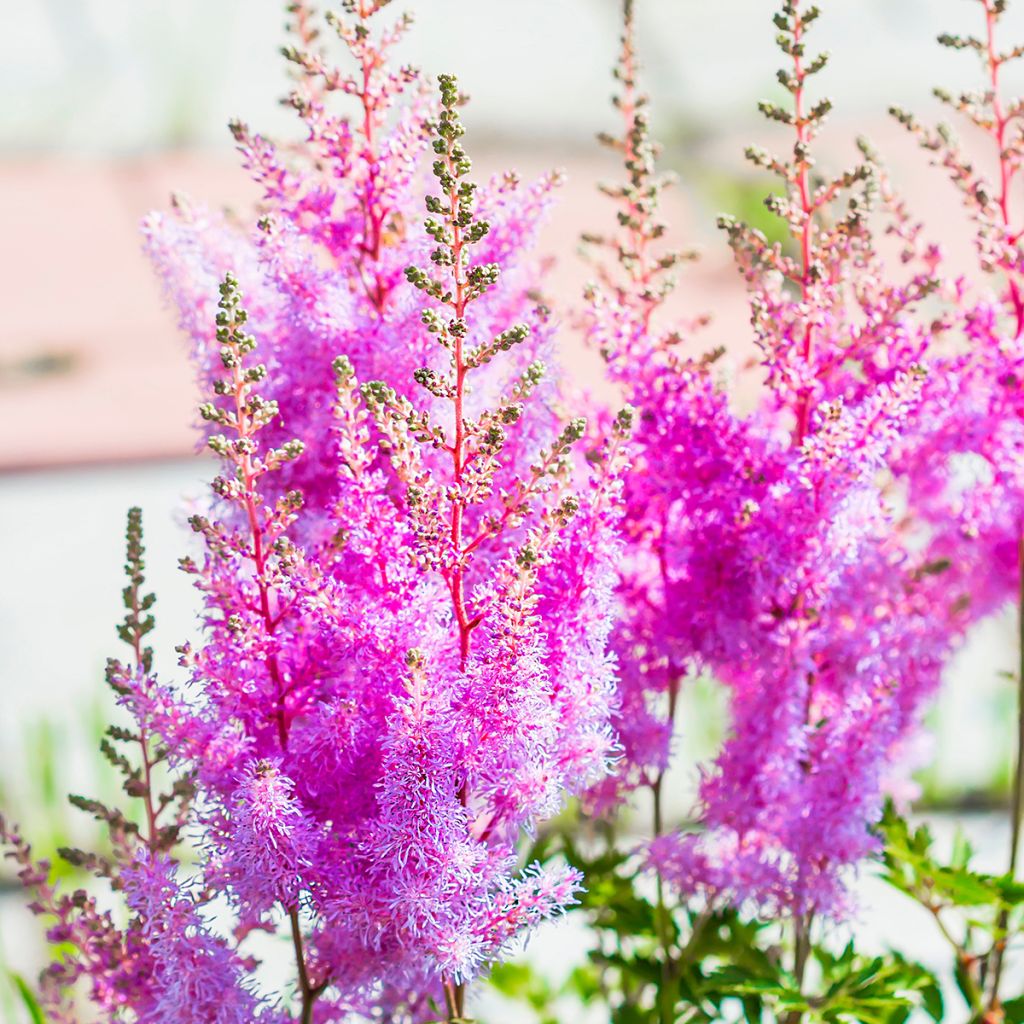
(404,662)
(764,547)
(438,606)
(273,843)
(192,975)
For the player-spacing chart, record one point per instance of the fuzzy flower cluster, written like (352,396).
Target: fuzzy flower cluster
(434,607)
(407,579)
(823,554)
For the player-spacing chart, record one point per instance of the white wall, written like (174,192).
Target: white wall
(129,74)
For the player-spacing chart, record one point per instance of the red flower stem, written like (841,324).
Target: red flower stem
(1006,174)
(455,994)
(456,577)
(147,764)
(803,410)
(803,922)
(640,269)
(251,501)
(373,218)
(1006,171)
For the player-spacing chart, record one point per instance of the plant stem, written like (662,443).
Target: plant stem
(801,953)
(999,950)
(1007,170)
(1018,778)
(803,411)
(451,998)
(152,835)
(666,1003)
(373,215)
(456,994)
(456,577)
(309,992)
(1006,173)
(252,501)
(808,207)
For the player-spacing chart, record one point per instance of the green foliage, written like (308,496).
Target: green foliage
(979,914)
(912,866)
(28,999)
(852,988)
(668,963)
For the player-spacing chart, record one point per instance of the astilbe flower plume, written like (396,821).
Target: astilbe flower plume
(428,597)
(764,547)
(323,266)
(407,579)
(965,483)
(165,963)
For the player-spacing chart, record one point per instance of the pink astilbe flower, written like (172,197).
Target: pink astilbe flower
(400,849)
(404,666)
(966,482)
(272,841)
(323,269)
(191,975)
(433,607)
(763,547)
(519,904)
(100,955)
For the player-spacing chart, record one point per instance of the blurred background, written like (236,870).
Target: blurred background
(110,105)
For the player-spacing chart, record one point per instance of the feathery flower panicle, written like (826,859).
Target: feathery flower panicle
(323,267)
(112,962)
(404,661)
(192,975)
(434,607)
(763,547)
(965,482)
(273,843)
(471,750)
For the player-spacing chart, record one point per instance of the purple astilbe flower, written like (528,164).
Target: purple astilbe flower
(191,975)
(966,483)
(100,956)
(685,444)
(420,582)
(404,660)
(763,547)
(272,842)
(323,268)
(163,963)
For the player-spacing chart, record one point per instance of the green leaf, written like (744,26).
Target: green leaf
(28,999)
(931,1001)
(965,888)
(1010,890)
(753,1009)
(962,850)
